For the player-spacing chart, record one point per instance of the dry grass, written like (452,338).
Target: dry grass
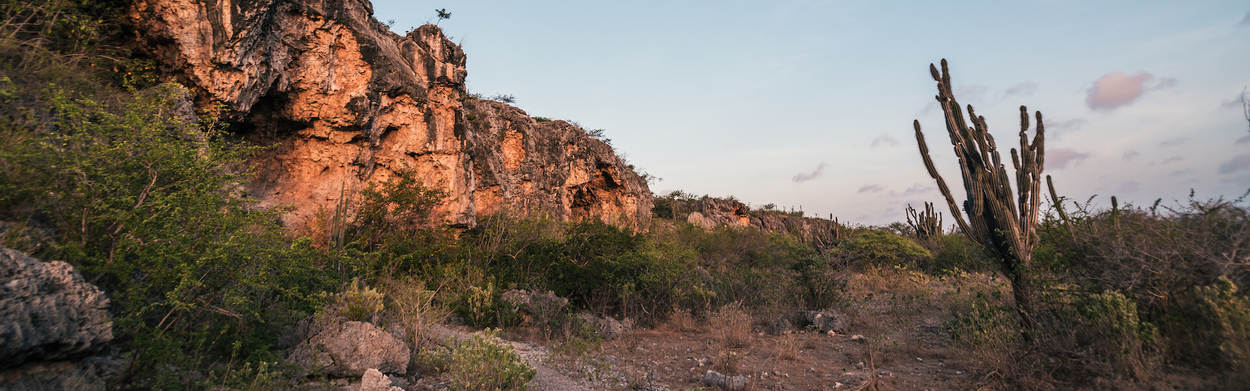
(731,325)
(412,308)
(681,320)
(788,347)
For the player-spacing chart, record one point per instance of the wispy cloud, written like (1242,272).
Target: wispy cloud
(1057,128)
(1237,163)
(884,140)
(807,176)
(1060,158)
(1118,89)
(1172,159)
(1244,139)
(1245,21)
(874,188)
(1020,90)
(1130,155)
(919,188)
(1172,142)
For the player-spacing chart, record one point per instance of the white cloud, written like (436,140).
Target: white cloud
(1117,89)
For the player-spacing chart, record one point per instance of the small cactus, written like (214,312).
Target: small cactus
(927,224)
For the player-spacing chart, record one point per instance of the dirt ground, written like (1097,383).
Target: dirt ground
(893,344)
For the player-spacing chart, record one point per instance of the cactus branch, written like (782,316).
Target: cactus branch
(1002,222)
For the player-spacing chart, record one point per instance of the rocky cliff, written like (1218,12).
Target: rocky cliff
(344,102)
(708,212)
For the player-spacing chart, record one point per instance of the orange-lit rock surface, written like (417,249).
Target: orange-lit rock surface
(341,102)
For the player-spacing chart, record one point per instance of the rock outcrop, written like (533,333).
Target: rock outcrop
(709,213)
(48,311)
(348,349)
(52,326)
(344,103)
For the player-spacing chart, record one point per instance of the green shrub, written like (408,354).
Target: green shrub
(882,248)
(955,253)
(484,363)
(143,201)
(1211,326)
(358,302)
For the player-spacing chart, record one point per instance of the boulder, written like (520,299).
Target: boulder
(53,325)
(536,307)
(47,311)
(716,379)
(604,327)
(828,320)
(374,380)
(348,349)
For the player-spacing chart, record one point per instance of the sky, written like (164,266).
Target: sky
(809,104)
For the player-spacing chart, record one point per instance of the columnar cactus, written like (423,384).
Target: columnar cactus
(1002,222)
(926,224)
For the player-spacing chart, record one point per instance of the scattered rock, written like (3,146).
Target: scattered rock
(91,373)
(537,307)
(732,383)
(859,338)
(827,320)
(374,380)
(604,327)
(347,349)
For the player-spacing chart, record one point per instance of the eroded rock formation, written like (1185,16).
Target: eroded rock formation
(709,213)
(52,326)
(345,102)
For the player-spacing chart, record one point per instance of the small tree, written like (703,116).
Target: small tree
(442,15)
(1003,223)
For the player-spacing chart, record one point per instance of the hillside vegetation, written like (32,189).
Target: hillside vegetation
(106,167)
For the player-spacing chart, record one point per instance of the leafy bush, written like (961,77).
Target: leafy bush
(878,247)
(483,363)
(954,253)
(358,302)
(1211,326)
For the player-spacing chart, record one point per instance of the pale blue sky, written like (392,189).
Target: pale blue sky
(740,98)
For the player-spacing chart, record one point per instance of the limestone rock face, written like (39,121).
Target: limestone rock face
(549,166)
(53,325)
(47,311)
(345,102)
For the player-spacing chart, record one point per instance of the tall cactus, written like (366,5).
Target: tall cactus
(926,224)
(1002,222)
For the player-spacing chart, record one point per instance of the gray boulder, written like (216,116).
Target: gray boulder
(348,349)
(374,380)
(828,320)
(47,311)
(732,383)
(605,327)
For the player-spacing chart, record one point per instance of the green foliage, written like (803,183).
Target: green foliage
(954,253)
(143,200)
(394,210)
(358,302)
(882,248)
(1211,326)
(483,363)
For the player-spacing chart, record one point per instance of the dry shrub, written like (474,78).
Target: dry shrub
(731,325)
(413,309)
(788,346)
(681,320)
(728,361)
